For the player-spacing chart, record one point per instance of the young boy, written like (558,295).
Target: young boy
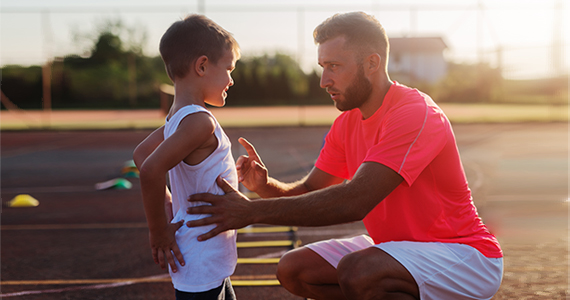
(192,148)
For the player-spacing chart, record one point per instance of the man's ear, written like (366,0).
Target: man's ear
(200,65)
(373,63)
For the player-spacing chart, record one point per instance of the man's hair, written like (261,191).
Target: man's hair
(363,33)
(186,40)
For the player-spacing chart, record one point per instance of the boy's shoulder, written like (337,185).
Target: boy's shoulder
(192,118)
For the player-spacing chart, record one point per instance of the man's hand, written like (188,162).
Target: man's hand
(250,169)
(163,244)
(229,211)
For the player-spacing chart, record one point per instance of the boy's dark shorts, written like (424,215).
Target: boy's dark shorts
(223,292)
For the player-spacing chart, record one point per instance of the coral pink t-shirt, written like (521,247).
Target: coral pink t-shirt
(411,135)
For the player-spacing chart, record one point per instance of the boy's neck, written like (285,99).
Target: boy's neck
(185,93)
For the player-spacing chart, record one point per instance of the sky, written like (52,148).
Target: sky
(33,31)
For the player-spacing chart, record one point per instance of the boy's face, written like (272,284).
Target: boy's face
(220,80)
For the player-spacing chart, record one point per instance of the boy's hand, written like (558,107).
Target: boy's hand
(163,244)
(250,169)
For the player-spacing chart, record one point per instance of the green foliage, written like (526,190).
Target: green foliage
(482,84)
(108,48)
(468,84)
(538,91)
(81,83)
(23,85)
(273,80)
(114,73)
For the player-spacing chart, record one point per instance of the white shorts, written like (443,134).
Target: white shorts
(441,270)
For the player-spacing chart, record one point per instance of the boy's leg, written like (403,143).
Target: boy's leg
(305,273)
(223,292)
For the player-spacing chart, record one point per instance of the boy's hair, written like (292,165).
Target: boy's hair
(186,40)
(363,33)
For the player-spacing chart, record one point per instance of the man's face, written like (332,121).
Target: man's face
(343,77)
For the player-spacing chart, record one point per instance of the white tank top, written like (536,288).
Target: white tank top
(209,262)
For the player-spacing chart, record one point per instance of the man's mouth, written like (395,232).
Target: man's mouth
(334,94)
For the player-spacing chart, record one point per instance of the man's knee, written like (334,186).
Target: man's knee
(287,266)
(352,271)
(374,272)
(301,267)
(292,269)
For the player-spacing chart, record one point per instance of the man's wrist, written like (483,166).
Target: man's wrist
(255,212)
(266,190)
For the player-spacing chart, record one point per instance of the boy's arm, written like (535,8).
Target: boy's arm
(192,132)
(147,146)
(142,151)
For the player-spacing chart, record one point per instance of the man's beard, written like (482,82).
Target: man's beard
(357,93)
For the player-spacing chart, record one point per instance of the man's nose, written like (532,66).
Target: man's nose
(325,80)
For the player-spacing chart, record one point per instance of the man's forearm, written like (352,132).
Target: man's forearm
(336,204)
(276,188)
(329,206)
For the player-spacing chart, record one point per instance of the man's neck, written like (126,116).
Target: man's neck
(376,99)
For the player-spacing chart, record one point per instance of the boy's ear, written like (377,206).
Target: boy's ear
(200,65)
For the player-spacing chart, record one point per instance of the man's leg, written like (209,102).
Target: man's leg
(373,274)
(305,273)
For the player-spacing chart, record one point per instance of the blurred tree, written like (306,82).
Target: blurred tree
(467,83)
(23,85)
(274,80)
(108,48)
(113,72)
(316,94)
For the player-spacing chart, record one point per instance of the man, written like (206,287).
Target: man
(397,151)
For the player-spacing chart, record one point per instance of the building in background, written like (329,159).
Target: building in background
(417,59)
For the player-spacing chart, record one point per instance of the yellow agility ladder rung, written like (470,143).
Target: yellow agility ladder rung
(258,260)
(237,280)
(267,229)
(255,282)
(282,243)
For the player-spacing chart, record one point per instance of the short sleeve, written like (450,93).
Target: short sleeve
(332,158)
(411,138)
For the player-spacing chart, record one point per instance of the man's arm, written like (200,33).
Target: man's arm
(335,204)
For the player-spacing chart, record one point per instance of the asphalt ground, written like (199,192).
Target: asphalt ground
(80,243)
